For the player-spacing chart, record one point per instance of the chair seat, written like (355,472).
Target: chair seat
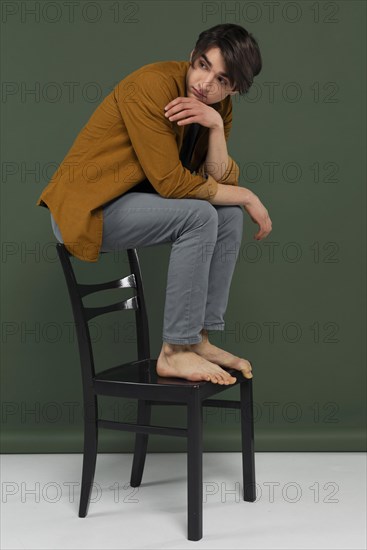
(141,376)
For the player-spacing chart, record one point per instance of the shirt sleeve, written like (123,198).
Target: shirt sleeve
(227,121)
(231,175)
(141,102)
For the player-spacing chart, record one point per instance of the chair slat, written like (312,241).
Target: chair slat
(125,282)
(130,303)
(141,428)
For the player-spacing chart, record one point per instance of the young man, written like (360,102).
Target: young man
(123,185)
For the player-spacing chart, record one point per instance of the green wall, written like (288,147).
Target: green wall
(297,304)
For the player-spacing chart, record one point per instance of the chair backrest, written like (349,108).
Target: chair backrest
(83,314)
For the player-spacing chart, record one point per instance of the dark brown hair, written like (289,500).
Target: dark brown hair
(240,52)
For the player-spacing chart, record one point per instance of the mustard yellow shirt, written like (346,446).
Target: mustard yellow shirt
(126,140)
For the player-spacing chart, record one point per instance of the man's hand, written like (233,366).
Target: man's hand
(187,110)
(259,214)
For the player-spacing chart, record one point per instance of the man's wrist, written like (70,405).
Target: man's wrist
(248,196)
(218,125)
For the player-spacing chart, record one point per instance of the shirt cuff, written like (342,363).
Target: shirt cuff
(206,191)
(230,177)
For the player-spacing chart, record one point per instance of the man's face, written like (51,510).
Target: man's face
(205,76)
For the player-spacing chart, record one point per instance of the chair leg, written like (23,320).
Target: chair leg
(89,456)
(195,468)
(247,439)
(141,443)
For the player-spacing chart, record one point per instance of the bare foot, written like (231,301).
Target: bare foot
(179,361)
(217,355)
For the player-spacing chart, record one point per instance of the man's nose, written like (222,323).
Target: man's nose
(209,86)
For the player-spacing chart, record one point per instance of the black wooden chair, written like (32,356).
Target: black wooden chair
(139,380)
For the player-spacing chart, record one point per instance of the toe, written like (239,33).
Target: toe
(247,369)
(225,378)
(247,373)
(231,378)
(228,378)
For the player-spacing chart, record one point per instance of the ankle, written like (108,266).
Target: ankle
(169,349)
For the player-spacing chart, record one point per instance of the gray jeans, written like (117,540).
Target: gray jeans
(205,241)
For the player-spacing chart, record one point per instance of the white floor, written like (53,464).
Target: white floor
(304,501)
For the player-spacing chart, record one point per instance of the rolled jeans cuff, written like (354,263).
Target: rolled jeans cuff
(214,326)
(181,341)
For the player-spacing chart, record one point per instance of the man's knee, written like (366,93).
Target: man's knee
(204,210)
(209,211)
(233,212)
(236,214)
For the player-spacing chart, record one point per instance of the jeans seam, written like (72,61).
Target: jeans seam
(136,208)
(187,318)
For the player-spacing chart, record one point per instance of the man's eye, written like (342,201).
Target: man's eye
(222,81)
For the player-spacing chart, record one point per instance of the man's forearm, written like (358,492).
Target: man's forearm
(216,164)
(232,195)
(216,161)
